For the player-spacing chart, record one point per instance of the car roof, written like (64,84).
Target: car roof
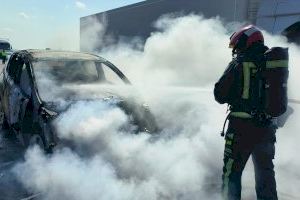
(60,55)
(3,41)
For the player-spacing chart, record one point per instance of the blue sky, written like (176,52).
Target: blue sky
(48,23)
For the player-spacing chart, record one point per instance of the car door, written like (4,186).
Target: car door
(8,74)
(13,94)
(25,85)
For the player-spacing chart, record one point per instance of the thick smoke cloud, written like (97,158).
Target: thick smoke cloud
(120,165)
(92,33)
(181,46)
(184,160)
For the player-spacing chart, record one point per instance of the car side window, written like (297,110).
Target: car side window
(101,76)
(111,76)
(25,84)
(14,68)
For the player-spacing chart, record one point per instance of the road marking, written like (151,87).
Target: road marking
(294,101)
(32,196)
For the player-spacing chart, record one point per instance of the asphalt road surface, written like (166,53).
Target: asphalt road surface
(11,152)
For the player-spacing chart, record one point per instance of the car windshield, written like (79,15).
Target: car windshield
(54,77)
(4,46)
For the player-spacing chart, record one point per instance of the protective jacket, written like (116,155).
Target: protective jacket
(235,88)
(255,83)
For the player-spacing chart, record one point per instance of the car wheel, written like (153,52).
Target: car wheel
(32,133)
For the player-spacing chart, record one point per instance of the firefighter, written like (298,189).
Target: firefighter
(250,131)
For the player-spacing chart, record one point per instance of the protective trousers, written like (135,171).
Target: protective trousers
(244,138)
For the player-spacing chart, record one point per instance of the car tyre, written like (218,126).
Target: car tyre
(30,131)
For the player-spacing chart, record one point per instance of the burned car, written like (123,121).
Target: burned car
(36,82)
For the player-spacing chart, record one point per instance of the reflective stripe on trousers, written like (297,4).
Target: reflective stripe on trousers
(242,140)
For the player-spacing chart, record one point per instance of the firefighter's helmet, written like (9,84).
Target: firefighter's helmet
(245,37)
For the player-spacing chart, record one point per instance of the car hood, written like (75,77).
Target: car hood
(125,98)
(70,94)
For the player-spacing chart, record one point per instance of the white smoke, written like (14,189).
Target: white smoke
(125,166)
(181,46)
(96,116)
(184,160)
(92,33)
(62,40)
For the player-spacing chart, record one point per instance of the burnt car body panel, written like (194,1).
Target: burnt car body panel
(26,113)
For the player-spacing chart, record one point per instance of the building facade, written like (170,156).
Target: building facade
(280,17)
(137,20)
